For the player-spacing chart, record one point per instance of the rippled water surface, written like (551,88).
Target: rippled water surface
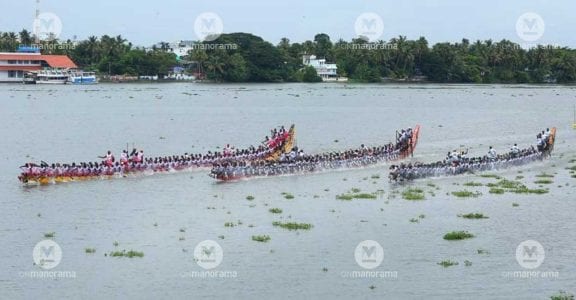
(166,216)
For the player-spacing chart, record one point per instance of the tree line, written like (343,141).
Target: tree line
(253,59)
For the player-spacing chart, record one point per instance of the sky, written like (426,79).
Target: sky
(146,22)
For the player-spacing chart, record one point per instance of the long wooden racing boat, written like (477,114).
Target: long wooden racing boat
(351,159)
(44,174)
(473,165)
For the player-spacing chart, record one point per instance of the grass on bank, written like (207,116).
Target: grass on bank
(458,235)
(293,225)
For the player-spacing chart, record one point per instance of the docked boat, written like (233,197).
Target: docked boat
(52,77)
(44,173)
(81,77)
(298,163)
(29,78)
(514,158)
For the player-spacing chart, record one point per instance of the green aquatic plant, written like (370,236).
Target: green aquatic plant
(249,197)
(497,191)
(229,224)
(293,225)
(458,235)
(490,176)
(350,196)
(519,177)
(447,263)
(288,196)
(355,190)
(275,210)
(414,220)
(472,183)
(543,181)
(90,250)
(430,184)
(466,194)
(49,235)
(182,229)
(261,238)
(124,253)
(473,216)
(413,194)
(562,295)
(375,176)
(515,204)
(467,263)
(545,175)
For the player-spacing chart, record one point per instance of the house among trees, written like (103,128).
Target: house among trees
(326,71)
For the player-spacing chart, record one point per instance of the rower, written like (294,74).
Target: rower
(515,150)
(491,153)
(108,158)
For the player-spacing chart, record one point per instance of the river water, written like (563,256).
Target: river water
(166,216)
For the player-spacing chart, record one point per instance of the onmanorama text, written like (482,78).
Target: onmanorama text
(369,274)
(210,274)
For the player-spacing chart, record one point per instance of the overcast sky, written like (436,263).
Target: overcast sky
(145,22)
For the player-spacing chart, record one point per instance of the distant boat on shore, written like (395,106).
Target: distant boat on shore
(55,76)
(51,77)
(81,77)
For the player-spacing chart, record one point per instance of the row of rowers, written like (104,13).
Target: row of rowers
(389,150)
(136,159)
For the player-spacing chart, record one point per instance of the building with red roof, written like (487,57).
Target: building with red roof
(14,65)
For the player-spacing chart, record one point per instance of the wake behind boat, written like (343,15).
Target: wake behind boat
(458,163)
(296,162)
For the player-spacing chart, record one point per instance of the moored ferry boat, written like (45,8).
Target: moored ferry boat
(81,77)
(52,77)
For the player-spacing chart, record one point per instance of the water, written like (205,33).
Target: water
(78,123)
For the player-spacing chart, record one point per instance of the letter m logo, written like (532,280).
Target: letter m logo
(208,251)
(368,23)
(368,251)
(208,23)
(47,251)
(530,251)
(531,24)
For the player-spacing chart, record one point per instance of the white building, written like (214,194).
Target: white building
(328,72)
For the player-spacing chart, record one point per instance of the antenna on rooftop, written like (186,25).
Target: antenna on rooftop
(37,24)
